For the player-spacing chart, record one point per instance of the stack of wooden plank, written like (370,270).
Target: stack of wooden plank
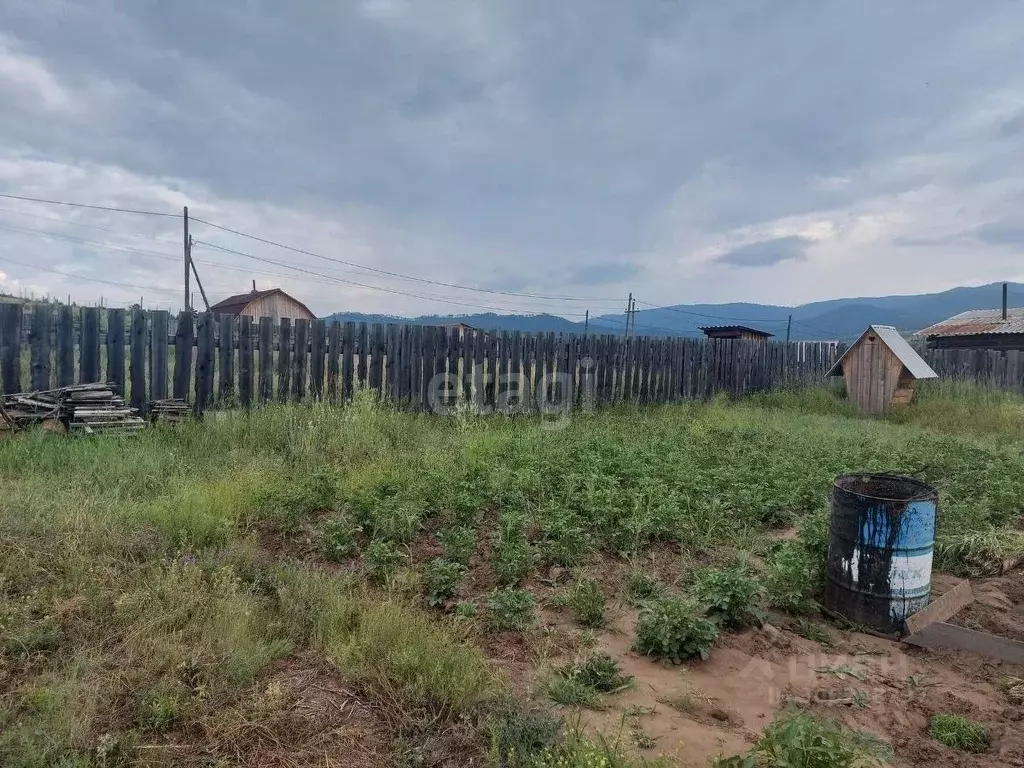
(173,410)
(87,408)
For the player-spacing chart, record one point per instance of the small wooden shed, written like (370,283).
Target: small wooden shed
(742,332)
(880,369)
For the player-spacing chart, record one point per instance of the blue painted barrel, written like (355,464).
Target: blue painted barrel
(880,548)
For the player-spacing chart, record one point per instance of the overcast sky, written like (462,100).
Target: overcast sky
(778,152)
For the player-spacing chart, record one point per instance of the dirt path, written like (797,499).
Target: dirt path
(704,709)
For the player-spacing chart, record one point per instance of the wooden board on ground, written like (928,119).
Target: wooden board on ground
(945,607)
(939,635)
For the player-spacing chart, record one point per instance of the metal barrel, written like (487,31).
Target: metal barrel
(881,540)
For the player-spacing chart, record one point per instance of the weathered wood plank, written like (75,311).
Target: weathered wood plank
(333,361)
(266,342)
(245,367)
(300,359)
(204,361)
(943,608)
(39,346)
(363,355)
(317,344)
(348,359)
(376,361)
(138,360)
(284,359)
(115,349)
(183,355)
(89,348)
(65,346)
(949,636)
(226,354)
(391,355)
(160,321)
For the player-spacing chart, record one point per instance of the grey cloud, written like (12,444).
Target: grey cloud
(604,273)
(453,135)
(1001,233)
(767,252)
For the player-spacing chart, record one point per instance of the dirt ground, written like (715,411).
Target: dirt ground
(718,707)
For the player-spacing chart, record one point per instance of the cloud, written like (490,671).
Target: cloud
(1001,233)
(767,252)
(485,144)
(606,273)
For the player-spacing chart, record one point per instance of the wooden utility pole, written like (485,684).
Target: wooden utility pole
(187,245)
(629,310)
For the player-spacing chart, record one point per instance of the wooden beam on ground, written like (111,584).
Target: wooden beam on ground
(942,636)
(942,609)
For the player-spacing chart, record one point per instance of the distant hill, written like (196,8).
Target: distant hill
(832,319)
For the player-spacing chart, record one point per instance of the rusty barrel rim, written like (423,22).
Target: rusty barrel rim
(927,492)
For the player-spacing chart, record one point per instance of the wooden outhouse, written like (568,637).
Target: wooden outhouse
(880,369)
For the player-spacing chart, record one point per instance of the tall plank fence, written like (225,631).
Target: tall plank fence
(224,361)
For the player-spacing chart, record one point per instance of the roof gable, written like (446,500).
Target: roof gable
(235,305)
(892,339)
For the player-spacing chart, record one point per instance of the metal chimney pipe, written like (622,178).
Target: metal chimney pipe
(254,291)
(1006,288)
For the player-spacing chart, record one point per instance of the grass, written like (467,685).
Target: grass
(958,732)
(800,740)
(149,588)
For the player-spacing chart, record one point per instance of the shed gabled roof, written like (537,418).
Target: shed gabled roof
(976,322)
(906,354)
(234,305)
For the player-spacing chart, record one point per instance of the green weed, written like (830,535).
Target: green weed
(958,732)
(442,579)
(458,543)
(674,628)
(585,599)
(339,542)
(510,608)
(729,597)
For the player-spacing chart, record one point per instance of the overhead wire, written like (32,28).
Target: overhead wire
(398,275)
(427,297)
(115,209)
(90,279)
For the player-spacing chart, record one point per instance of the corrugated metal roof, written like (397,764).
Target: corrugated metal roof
(235,305)
(899,346)
(977,321)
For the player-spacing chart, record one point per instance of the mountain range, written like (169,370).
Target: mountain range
(831,319)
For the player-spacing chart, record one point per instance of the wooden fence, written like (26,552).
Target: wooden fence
(225,361)
(1002,369)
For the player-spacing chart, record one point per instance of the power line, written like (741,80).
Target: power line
(368,286)
(90,279)
(705,314)
(72,223)
(397,275)
(92,207)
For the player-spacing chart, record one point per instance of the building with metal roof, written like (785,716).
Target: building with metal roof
(881,369)
(978,329)
(743,332)
(273,303)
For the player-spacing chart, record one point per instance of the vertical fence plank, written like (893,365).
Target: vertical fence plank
(226,358)
(183,355)
(299,364)
(115,349)
(138,360)
(245,361)
(204,361)
(284,358)
(404,373)
(39,344)
(10,346)
(441,349)
(392,355)
(158,354)
(317,343)
(266,344)
(89,346)
(348,359)
(333,361)
(375,362)
(65,346)
(362,355)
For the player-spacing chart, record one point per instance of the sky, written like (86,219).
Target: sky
(772,151)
